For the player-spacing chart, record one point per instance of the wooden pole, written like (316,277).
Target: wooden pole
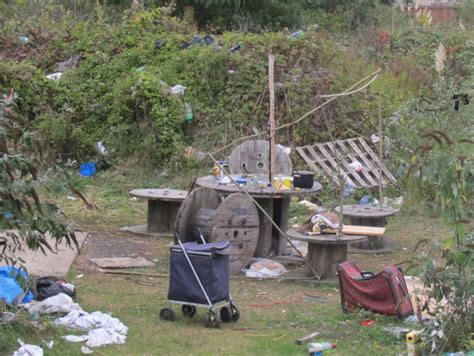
(271,119)
(380,151)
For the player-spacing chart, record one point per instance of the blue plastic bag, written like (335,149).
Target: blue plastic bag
(11,292)
(87,169)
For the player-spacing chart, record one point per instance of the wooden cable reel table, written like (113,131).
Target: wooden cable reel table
(234,219)
(368,215)
(325,251)
(163,206)
(253,157)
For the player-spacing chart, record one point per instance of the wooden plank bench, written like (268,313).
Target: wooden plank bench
(325,251)
(163,206)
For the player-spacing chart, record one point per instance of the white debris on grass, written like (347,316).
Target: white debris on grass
(28,350)
(54,76)
(265,269)
(59,303)
(103,328)
(86,351)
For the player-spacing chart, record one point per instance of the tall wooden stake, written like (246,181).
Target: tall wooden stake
(380,151)
(271,119)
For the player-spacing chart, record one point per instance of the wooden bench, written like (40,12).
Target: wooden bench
(163,206)
(325,251)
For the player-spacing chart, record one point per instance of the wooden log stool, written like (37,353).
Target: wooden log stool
(163,206)
(235,219)
(368,215)
(325,251)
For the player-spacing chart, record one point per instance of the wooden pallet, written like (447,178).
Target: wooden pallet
(322,159)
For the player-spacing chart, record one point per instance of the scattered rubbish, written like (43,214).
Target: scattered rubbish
(316,348)
(323,220)
(357,166)
(208,40)
(160,44)
(397,331)
(306,338)
(308,205)
(140,69)
(460,98)
(71,198)
(50,344)
(79,276)
(50,286)
(188,112)
(71,163)
(235,48)
(11,291)
(87,169)
(412,338)
(100,148)
(59,303)
(365,200)
(24,39)
(178,89)
(55,76)
(28,350)
(348,190)
(71,62)
(7,317)
(374,138)
(122,262)
(285,148)
(297,34)
(86,351)
(412,319)
(368,322)
(265,269)
(231,71)
(103,328)
(185,45)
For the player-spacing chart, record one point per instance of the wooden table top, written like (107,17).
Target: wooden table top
(253,189)
(160,194)
(367,211)
(325,239)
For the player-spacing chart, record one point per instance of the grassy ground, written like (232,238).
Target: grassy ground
(273,314)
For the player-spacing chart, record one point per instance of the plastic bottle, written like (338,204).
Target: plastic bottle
(188,112)
(215,170)
(317,348)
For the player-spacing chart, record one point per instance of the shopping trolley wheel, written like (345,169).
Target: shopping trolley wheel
(226,316)
(210,320)
(167,314)
(188,310)
(235,312)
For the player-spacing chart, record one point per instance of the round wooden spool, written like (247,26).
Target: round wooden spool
(252,157)
(235,220)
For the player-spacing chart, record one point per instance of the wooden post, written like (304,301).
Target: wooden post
(271,119)
(380,151)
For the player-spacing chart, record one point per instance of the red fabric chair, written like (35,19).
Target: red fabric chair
(384,293)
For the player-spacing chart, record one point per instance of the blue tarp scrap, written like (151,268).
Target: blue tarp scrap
(11,291)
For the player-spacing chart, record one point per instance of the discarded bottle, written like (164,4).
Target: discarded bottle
(215,170)
(317,348)
(297,34)
(235,48)
(188,112)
